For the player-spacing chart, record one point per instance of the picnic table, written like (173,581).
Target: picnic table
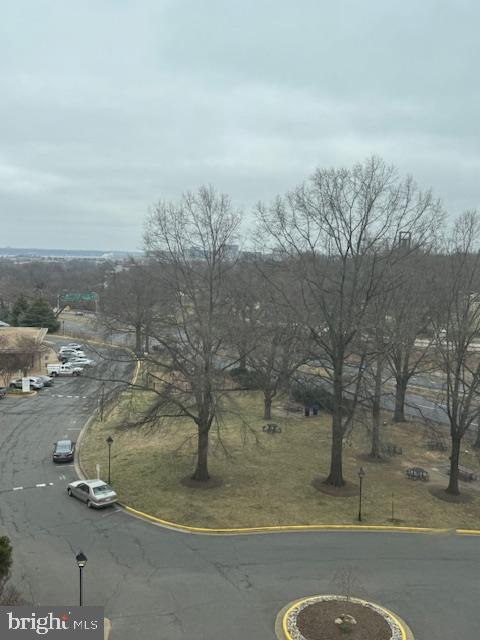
(417,473)
(271,427)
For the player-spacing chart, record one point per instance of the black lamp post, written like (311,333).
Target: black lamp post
(361,475)
(109,442)
(81,561)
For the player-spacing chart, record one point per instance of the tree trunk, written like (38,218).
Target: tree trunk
(477,440)
(452,488)
(138,340)
(375,450)
(242,363)
(201,471)
(147,337)
(400,393)
(267,407)
(335,477)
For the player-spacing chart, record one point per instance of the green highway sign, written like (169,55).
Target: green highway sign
(79,297)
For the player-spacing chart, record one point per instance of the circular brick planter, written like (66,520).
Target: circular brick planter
(398,629)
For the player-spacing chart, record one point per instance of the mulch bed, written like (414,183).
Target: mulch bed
(317,622)
(347,491)
(441,494)
(212,483)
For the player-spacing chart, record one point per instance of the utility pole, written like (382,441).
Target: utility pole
(102,401)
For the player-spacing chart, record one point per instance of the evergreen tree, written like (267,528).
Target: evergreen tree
(40,314)
(20,307)
(5,558)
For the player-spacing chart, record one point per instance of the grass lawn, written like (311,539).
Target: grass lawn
(267,477)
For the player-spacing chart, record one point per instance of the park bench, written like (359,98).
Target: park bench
(437,445)
(271,427)
(292,407)
(391,449)
(467,474)
(417,473)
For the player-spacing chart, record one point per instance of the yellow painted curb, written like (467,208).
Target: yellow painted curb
(283,528)
(269,529)
(26,394)
(116,346)
(468,532)
(298,602)
(107,627)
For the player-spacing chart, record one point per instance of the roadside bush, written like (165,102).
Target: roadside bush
(310,394)
(9,595)
(245,378)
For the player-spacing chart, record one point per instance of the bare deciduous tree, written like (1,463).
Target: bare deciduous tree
(190,241)
(456,327)
(339,230)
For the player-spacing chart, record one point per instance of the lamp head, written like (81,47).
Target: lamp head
(81,559)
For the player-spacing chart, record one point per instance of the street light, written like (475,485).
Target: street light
(81,559)
(109,442)
(361,475)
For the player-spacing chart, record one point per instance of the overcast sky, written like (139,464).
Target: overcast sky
(107,106)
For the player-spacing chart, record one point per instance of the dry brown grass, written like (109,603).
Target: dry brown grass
(267,478)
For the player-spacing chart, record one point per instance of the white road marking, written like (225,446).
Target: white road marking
(111,513)
(50,484)
(62,477)
(69,396)
(59,396)
(74,429)
(42,484)
(17,488)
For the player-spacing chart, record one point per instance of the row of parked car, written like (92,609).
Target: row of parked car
(72,361)
(74,354)
(96,493)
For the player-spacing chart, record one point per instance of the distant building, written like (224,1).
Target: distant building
(27,343)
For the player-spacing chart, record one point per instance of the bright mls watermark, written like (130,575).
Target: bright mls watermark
(24,623)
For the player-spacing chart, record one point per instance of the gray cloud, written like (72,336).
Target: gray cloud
(107,107)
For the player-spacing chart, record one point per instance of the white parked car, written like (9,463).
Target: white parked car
(74,345)
(68,354)
(96,493)
(82,362)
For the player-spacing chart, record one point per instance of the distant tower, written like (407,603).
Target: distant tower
(405,239)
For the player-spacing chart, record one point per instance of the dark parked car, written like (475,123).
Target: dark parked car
(63,451)
(3,392)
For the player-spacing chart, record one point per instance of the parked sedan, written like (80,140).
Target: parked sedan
(82,362)
(95,493)
(63,451)
(3,392)
(35,383)
(47,380)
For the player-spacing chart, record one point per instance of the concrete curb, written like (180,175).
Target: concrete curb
(107,627)
(300,528)
(281,627)
(77,461)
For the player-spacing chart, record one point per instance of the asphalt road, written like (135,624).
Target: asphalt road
(160,584)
